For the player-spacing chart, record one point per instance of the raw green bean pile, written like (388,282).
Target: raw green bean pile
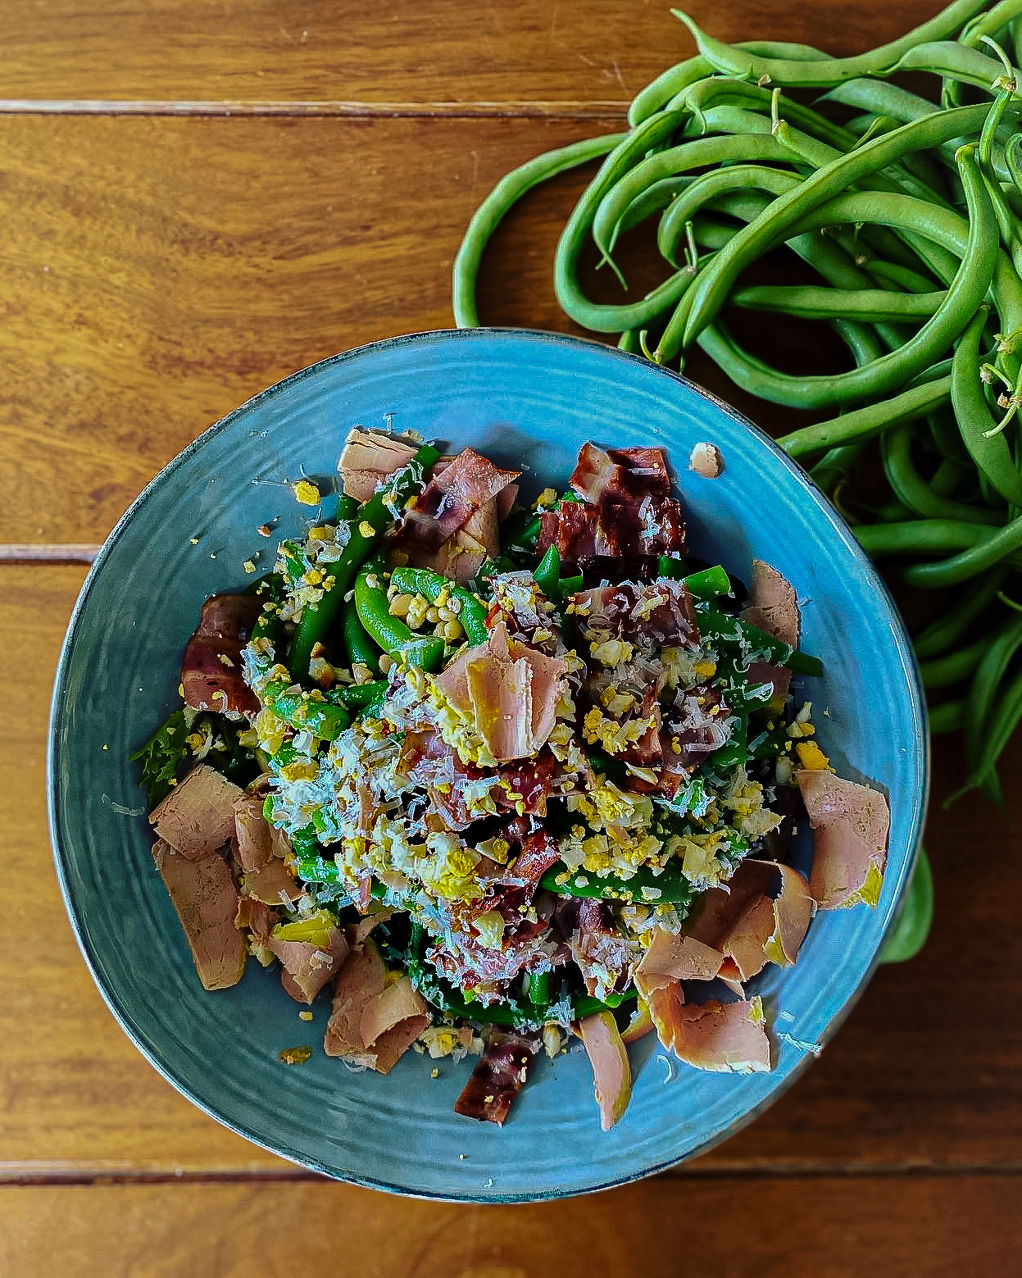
(898,211)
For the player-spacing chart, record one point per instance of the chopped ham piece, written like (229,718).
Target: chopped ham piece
(256,917)
(773,604)
(497,1078)
(654,615)
(452,496)
(369,1024)
(368,457)
(671,958)
(481,526)
(612,1076)
(721,1036)
(197,817)
(206,900)
(850,824)
(211,673)
(706,460)
(763,672)
(460,557)
(253,843)
(620,474)
(308,967)
(640,1025)
(614,530)
(271,882)
(509,689)
(793,910)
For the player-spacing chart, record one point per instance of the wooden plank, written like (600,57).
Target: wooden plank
(828,1228)
(159,272)
(926,1073)
(571,52)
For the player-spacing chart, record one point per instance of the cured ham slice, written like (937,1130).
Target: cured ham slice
(371,1023)
(308,967)
(509,690)
(453,496)
(619,474)
(206,900)
(497,1079)
(197,817)
(612,1075)
(850,826)
(368,457)
(723,1037)
(656,614)
(773,604)
(211,673)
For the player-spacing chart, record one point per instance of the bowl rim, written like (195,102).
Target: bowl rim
(425,338)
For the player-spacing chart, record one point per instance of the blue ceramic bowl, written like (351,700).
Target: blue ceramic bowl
(526,399)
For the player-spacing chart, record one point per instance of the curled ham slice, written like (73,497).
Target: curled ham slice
(612,1075)
(206,900)
(371,1023)
(271,883)
(368,457)
(197,817)
(773,604)
(453,496)
(211,672)
(850,826)
(723,1037)
(460,557)
(620,474)
(256,917)
(509,689)
(656,614)
(253,844)
(497,1079)
(614,530)
(308,967)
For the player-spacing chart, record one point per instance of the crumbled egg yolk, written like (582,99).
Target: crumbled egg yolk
(306,492)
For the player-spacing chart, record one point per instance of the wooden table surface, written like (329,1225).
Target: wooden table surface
(198,199)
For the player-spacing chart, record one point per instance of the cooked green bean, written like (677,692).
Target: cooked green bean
(391,633)
(374,517)
(470,612)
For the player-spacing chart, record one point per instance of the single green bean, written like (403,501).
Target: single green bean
(359,649)
(869,421)
(912,489)
(945,631)
(919,537)
(986,551)
(908,936)
(508,191)
(722,625)
(809,301)
(955,667)
(991,452)
(548,571)
(949,716)
(729,60)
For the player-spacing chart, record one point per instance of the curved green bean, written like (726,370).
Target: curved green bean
(471,613)
(508,191)
(828,71)
(809,301)
(391,633)
(912,489)
(943,633)
(990,452)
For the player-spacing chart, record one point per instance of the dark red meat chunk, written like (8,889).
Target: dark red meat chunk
(211,671)
(498,1078)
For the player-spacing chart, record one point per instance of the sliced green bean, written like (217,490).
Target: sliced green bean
(375,516)
(431,585)
(391,633)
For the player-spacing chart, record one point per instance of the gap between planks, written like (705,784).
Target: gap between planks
(300,1175)
(71,553)
(553,110)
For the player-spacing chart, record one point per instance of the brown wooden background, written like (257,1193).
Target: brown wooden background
(198,198)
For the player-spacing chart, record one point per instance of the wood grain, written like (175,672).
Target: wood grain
(829,1228)
(572,52)
(159,272)
(926,1072)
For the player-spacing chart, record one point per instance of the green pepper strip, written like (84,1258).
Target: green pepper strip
(391,633)
(547,573)
(716,623)
(421,581)
(374,517)
(913,926)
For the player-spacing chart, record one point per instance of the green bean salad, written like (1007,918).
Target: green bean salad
(492,772)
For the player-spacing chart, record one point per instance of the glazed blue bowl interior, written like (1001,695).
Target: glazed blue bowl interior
(529,400)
